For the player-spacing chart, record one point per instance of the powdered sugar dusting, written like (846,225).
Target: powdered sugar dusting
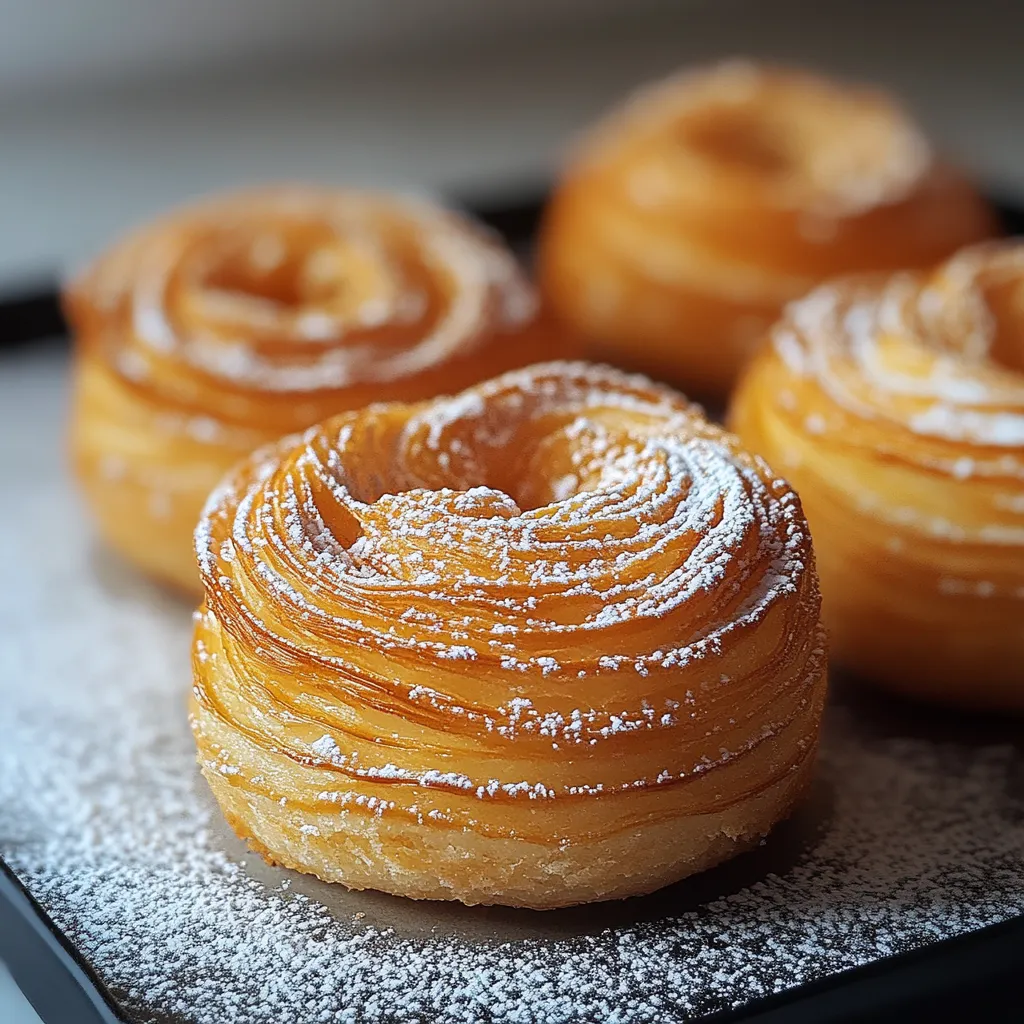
(384,289)
(103,816)
(842,150)
(917,350)
(667,529)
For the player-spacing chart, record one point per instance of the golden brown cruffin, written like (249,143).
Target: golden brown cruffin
(896,407)
(553,640)
(224,325)
(687,219)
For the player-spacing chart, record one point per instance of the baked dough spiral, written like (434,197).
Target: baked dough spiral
(553,640)
(896,407)
(688,218)
(224,325)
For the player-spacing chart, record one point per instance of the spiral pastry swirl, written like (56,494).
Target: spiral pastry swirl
(223,326)
(896,406)
(555,639)
(687,219)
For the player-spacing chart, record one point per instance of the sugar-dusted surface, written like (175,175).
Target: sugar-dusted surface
(915,833)
(213,289)
(931,356)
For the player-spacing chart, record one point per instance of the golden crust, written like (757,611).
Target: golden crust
(555,639)
(896,407)
(683,224)
(403,858)
(227,324)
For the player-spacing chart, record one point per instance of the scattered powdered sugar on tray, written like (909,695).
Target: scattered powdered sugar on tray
(911,835)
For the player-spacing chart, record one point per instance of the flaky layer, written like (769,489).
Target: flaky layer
(896,406)
(557,613)
(230,323)
(691,215)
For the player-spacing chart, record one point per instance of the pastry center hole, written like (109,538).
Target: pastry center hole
(739,139)
(272,268)
(1005,300)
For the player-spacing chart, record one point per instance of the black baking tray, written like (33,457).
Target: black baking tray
(971,977)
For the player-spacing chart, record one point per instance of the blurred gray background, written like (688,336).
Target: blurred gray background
(111,109)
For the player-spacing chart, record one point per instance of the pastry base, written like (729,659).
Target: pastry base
(403,858)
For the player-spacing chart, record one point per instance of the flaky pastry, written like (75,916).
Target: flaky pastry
(896,407)
(225,325)
(553,640)
(689,217)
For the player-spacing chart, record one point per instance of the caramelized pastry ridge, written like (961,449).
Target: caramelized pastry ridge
(552,640)
(896,406)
